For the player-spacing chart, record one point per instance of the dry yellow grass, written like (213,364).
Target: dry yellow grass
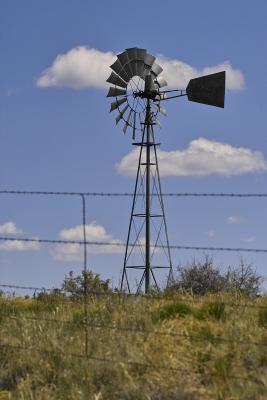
(213,347)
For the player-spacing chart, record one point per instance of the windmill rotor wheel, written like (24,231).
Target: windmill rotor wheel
(128,79)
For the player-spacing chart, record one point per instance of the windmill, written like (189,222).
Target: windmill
(138,94)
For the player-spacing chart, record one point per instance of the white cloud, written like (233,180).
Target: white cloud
(79,68)
(178,73)
(249,239)
(233,220)
(84,67)
(211,233)
(10,228)
(17,245)
(234,78)
(94,233)
(201,158)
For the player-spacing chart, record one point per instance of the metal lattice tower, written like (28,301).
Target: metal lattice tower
(138,93)
(148,227)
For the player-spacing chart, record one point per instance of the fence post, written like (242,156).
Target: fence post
(85,273)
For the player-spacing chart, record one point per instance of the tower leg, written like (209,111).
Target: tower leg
(147,245)
(147,265)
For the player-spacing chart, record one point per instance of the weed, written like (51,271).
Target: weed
(263,317)
(187,362)
(217,310)
(170,311)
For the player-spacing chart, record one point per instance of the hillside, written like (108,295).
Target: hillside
(211,347)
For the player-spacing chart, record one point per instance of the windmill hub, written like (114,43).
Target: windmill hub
(150,90)
(135,86)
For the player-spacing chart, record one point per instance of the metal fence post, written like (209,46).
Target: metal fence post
(85,294)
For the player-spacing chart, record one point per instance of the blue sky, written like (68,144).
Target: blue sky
(55,136)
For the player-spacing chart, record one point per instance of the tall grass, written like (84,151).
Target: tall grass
(180,348)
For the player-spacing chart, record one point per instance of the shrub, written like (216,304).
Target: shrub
(85,282)
(217,310)
(244,278)
(202,277)
(263,317)
(169,311)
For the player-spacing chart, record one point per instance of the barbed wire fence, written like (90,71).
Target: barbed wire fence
(87,295)
(133,330)
(85,243)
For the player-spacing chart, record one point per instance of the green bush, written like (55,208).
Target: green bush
(169,311)
(202,277)
(207,335)
(84,283)
(263,317)
(217,310)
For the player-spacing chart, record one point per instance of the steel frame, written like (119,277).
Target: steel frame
(147,145)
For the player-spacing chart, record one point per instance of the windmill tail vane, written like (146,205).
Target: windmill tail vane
(137,91)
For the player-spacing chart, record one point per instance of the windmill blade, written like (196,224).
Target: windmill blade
(114,92)
(157,121)
(132,53)
(208,89)
(123,74)
(145,72)
(150,86)
(116,80)
(162,110)
(127,123)
(120,116)
(149,59)
(125,61)
(128,70)
(117,103)
(125,127)
(140,66)
(118,68)
(161,82)
(123,58)
(141,54)
(134,127)
(133,66)
(156,69)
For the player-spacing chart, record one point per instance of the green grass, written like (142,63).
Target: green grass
(182,348)
(263,317)
(171,310)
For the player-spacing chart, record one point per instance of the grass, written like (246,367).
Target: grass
(182,348)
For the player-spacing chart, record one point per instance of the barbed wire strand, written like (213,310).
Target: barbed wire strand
(125,295)
(121,244)
(127,194)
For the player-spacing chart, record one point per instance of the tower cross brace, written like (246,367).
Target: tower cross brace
(148,186)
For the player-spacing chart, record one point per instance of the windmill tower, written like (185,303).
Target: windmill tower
(137,89)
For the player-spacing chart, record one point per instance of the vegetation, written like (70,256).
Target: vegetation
(84,283)
(202,277)
(176,346)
